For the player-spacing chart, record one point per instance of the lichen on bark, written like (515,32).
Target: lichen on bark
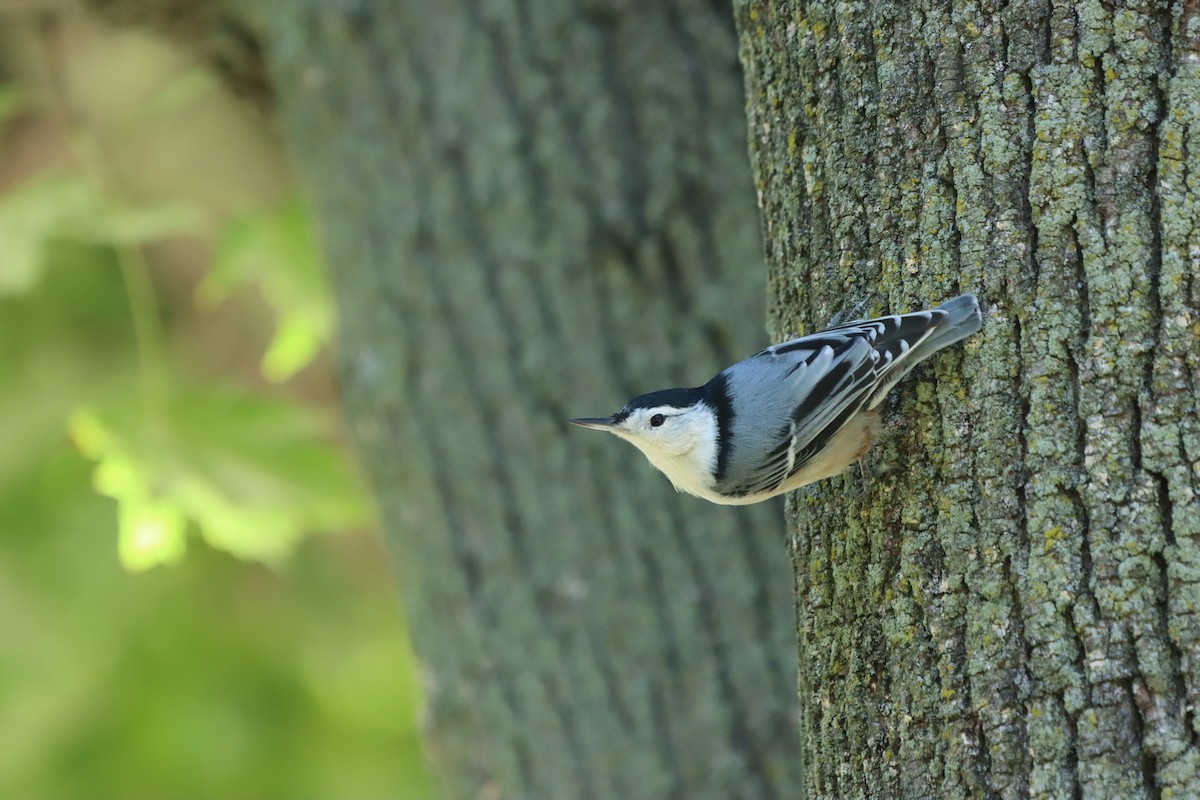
(1002,603)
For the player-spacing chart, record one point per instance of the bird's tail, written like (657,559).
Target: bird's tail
(952,321)
(962,319)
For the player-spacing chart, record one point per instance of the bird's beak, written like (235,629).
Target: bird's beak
(595,423)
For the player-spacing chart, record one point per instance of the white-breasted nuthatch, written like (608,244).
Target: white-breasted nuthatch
(795,413)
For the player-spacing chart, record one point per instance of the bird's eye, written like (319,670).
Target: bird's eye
(656,420)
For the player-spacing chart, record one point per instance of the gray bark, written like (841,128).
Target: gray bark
(1011,612)
(535,210)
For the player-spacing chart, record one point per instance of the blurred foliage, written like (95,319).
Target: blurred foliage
(275,250)
(61,206)
(252,473)
(266,663)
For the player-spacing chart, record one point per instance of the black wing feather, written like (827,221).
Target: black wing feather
(835,397)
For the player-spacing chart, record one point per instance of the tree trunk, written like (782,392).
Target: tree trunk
(1003,603)
(535,210)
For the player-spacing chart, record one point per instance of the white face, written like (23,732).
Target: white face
(667,430)
(680,442)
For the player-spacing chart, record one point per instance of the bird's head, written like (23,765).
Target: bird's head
(664,425)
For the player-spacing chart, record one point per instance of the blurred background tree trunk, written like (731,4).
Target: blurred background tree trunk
(535,210)
(1005,604)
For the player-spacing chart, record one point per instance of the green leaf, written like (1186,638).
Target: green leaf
(150,534)
(62,206)
(276,250)
(33,213)
(296,342)
(253,475)
(142,225)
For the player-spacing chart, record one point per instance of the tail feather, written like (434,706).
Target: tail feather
(959,319)
(963,320)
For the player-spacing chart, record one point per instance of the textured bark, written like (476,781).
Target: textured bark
(534,210)
(1014,612)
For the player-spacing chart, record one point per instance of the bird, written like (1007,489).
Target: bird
(794,413)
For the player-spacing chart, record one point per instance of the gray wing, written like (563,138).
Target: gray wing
(805,390)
